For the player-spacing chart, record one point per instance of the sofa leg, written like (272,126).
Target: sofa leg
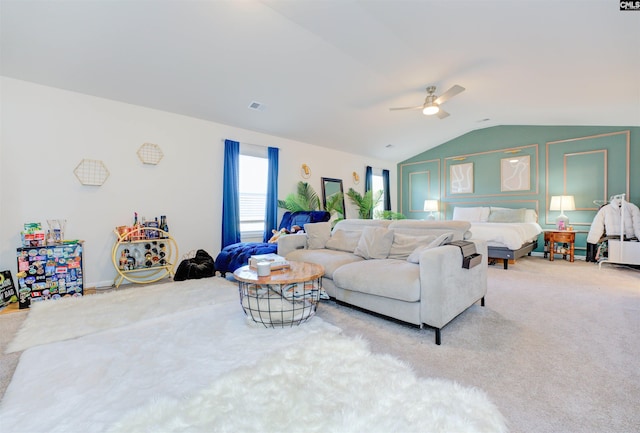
(506,263)
(438,340)
(482,302)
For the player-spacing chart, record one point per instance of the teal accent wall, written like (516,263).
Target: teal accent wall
(523,166)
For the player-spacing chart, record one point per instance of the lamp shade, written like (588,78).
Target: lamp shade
(431,205)
(562,203)
(430,109)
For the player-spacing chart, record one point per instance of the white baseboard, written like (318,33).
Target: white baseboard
(100,285)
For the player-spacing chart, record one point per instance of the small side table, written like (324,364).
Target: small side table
(553,237)
(286,297)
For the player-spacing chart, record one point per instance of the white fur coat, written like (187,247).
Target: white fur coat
(608,219)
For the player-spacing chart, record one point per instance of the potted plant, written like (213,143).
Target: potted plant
(365,202)
(304,199)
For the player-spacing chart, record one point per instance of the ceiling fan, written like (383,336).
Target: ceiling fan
(432,102)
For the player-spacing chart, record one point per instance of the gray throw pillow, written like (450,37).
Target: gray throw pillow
(404,244)
(344,240)
(444,238)
(374,243)
(507,215)
(317,234)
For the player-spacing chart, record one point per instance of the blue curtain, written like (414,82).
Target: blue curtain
(271,211)
(368,179)
(230,194)
(387,189)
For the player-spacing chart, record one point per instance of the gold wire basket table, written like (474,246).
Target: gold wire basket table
(285,298)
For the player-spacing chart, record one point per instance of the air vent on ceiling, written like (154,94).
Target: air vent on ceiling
(256,106)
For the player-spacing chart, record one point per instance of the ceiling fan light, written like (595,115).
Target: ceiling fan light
(430,109)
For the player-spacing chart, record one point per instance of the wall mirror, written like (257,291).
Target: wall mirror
(330,187)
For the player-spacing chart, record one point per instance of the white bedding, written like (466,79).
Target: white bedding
(510,235)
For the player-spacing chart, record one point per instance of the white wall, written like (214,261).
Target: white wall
(46,132)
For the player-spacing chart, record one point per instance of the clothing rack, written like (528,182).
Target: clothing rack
(621,251)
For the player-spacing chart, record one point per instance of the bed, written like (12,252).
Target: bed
(509,233)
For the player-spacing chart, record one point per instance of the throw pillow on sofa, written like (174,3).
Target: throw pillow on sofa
(344,240)
(374,243)
(444,238)
(403,245)
(317,235)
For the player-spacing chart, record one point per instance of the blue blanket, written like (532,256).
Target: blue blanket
(237,255)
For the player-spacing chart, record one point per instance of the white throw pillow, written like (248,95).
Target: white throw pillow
(374,243)
(344,240)
(444,238)
(403,245)
(485,211)
(472,214)
(530,216)
(317,234)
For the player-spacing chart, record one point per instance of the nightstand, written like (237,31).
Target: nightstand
(559,242)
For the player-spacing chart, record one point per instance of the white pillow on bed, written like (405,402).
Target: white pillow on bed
(530,215)
(471,214)
(507,215)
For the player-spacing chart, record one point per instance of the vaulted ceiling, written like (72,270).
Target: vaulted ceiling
(327,71)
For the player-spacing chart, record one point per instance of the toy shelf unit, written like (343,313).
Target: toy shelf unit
(622,251)
(143,255)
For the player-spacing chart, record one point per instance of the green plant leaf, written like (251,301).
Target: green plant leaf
(304,199)
(365,203)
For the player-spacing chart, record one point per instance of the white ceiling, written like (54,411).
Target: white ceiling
(328,71)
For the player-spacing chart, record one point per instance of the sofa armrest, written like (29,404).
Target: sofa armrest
(289,243)
(447,289)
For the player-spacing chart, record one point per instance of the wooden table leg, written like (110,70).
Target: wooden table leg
(571,251)
(552,249)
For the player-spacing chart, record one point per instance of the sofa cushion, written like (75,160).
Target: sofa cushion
(329,259)
(317,234)
(374,243)
(344,240)
(359,224)
(395,279)
(403,245)
(414,257)
(460,229)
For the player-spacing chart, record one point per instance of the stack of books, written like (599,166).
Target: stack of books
(276,261)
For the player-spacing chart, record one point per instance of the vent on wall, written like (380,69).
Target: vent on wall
(256,106)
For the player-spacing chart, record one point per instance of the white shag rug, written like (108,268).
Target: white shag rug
(70,317)
(205,369)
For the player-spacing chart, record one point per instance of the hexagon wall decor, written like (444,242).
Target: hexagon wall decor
(150,153)
(91,172)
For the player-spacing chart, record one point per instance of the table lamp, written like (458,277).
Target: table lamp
(431,206)
(562,203)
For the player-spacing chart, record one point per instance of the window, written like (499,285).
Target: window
(377,185)
(253,195)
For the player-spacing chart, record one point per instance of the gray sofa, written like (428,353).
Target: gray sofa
(400,269)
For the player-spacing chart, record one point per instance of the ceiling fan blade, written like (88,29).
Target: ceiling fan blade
(406,108)
(442,114)
(449,94)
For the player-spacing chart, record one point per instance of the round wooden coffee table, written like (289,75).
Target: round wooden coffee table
(286,297)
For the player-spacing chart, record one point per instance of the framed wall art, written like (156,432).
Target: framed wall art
(515,173)
(461,178)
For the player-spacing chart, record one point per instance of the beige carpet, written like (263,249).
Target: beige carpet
(556,348)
